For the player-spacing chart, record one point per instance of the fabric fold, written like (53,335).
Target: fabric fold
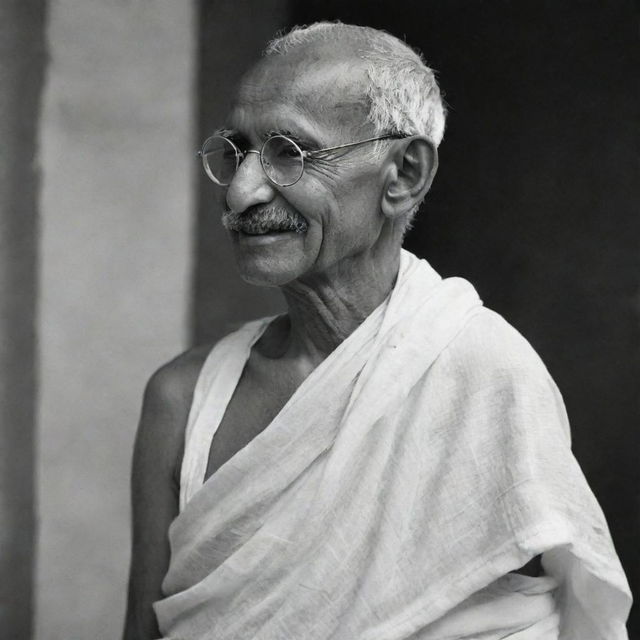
(419,464)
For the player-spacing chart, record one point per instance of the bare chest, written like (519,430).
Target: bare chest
(261,393)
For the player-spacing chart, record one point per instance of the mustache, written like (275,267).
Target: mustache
(258,220)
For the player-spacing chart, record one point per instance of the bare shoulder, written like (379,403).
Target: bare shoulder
(167,399)
(173,383)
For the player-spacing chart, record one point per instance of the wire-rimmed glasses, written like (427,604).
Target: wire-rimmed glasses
(281,158)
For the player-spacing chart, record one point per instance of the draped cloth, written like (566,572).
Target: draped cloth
(422,461)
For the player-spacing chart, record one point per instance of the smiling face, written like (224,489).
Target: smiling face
(317,98)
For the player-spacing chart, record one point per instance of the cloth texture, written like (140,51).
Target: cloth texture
(422,461)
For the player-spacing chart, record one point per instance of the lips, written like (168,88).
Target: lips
(258,228)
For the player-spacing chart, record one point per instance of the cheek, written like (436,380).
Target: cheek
(328,199)
(317,204)
(353,213)
(343,215)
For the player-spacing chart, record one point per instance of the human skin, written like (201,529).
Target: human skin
(332,276)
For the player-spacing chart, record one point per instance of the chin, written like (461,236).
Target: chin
(270,260)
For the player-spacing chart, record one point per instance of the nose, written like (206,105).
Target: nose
(250,186)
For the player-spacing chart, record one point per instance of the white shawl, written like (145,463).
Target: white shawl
(423,460)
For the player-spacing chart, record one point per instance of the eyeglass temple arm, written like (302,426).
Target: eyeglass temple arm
(199,153)
(311,153)
(307,154)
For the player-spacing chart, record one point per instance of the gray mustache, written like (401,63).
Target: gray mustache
(264,220)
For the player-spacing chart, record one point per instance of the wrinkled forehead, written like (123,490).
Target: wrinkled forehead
(326,88)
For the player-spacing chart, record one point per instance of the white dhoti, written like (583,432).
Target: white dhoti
(426,458)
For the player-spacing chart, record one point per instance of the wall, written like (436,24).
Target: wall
(21,71)
(232,35)
(117,159)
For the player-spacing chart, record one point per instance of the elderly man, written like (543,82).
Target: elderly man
(387,460)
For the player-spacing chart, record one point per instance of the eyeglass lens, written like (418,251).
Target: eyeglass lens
(221,159)
(282,160)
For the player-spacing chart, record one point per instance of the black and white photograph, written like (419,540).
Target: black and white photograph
(319,320)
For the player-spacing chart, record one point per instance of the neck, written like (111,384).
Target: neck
(324,309)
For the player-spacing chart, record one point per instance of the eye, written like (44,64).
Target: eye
(279,149)
(288,151)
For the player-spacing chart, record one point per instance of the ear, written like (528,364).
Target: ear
(408,171)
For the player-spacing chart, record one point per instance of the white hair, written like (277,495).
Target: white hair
(403,95)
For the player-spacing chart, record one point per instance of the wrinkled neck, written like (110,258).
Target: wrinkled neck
(326,309)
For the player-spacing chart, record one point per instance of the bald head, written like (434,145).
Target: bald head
(388,79)
(328,84)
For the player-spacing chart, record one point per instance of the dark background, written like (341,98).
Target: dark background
(535,201)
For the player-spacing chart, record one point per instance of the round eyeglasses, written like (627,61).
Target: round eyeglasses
(281,158)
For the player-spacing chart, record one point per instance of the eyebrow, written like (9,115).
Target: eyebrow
(299,138)
(228,132)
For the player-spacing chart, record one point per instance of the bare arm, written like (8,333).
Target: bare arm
(155,486)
